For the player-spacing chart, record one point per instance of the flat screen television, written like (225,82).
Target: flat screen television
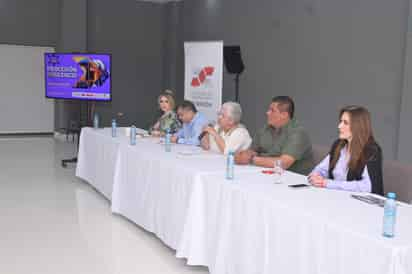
(78,76)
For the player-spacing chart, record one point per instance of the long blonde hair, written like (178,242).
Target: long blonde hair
(168,94)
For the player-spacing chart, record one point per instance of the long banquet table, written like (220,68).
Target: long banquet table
(96,159)
(245,226)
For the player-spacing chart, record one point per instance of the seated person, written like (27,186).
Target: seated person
(193,123)
(355,159)
(228,134)
(168,120)
(281,139)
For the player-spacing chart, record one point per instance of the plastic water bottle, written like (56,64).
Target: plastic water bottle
(168,145)
(96,121)
(114,125)
(132,135)
(389,216)
(230,165)
(278,171)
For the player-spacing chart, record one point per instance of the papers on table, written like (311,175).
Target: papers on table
(190,152)
(139,132)
(369,199)
(375,199)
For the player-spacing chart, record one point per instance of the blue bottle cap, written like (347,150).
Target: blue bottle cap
(391,195)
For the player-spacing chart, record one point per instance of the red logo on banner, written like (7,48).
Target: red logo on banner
(200,79)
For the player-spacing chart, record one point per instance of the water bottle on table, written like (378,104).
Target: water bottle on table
(278,171)
(168,144)
(114,128)
(96,121)
(230,165)
(389,215)
(133,135)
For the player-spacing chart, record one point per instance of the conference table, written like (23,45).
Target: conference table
(96,159)
(243,226)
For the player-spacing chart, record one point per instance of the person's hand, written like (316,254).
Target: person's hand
(204,143)
(244,157)
(173,139)
(317,180)
(210,130)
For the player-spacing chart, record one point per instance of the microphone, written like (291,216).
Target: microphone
(211,124)
(202,135)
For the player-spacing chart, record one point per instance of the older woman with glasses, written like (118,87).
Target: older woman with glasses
(355,159)
(168,120)
(228,134)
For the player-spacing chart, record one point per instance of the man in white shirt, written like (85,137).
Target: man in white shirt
(228,134)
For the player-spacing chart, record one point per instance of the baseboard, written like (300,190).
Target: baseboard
(70,138)
(27,134)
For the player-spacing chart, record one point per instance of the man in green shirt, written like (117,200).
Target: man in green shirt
(282,138)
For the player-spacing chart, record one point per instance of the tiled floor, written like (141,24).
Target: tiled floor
(53,223)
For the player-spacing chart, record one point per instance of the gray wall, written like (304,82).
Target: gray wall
(72,38)
(30,23)
(133,32)
(323,53)
(405,133)
(173,52)
(46,23)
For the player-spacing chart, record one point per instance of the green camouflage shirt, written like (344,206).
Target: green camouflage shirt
(168,121)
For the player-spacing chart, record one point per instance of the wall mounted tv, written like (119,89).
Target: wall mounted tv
(78,76)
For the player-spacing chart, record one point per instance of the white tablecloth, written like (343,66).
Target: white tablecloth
(252,226)
(153,187)
(248,225)
(97,158)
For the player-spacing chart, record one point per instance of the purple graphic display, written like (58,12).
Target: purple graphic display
(78,76)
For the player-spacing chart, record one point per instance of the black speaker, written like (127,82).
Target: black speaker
(233,59)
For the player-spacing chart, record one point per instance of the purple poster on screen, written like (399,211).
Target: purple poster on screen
(78,76)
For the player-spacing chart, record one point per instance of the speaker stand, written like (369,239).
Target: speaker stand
(90,108)
(67,161)
(237,87)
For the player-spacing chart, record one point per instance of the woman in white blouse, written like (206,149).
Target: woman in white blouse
(228,134)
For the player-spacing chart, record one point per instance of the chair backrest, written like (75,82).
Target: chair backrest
(397,177)
(319,152)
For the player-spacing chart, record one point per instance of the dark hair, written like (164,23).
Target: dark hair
(188,105)
(362,135)
(285,104)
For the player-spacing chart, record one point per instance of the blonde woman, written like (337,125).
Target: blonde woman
(168,120)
